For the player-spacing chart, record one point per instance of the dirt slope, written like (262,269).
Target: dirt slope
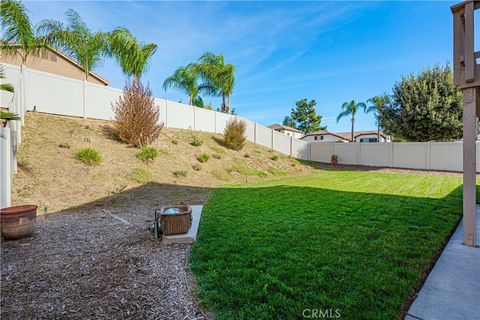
(48,174)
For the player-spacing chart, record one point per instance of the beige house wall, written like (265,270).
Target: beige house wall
(50,61)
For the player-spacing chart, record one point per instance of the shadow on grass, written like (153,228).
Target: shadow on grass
(272,252)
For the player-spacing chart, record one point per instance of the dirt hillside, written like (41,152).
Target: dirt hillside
(49,175)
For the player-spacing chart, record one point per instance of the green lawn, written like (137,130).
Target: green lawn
(359,242)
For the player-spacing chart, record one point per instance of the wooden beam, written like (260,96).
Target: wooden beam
(469,40)
(458,46)
(470,99)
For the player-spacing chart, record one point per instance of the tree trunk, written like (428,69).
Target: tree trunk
(134,80)
(228,108)
(224,108)
(378,132)
(353,126)
(191,99)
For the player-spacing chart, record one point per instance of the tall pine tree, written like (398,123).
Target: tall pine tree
(306,117)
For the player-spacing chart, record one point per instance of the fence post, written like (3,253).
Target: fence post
(291,145)
(272,138)
(5,167)
(390,154)
(166,113)
(23,92)
(84,103)
(428,155)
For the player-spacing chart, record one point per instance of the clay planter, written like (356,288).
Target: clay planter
(334,160)
(18,222)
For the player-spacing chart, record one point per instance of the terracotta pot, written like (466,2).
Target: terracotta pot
(18,221)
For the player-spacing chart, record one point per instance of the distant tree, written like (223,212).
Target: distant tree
(184,79)
(5,86)
(132,55)
(426,107)
(288,121)
(350,109)
(18,36)
(218,77)
(306,117)
(376,104)
(198,102)
(77,40)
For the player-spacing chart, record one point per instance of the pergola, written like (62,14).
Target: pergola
(467,78)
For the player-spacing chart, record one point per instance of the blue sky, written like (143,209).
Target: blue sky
(283,51)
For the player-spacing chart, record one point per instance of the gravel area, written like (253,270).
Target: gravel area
(96,263)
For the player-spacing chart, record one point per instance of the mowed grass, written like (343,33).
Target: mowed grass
(359,243)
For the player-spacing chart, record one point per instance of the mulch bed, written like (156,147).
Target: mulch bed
(96,264)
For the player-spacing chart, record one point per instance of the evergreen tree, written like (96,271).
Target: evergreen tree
(306,117)
(288,121)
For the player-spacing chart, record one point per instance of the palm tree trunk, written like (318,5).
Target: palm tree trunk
(353,126)
(223,104)
(191,99)
(228,108)
(134,80)
(378,132)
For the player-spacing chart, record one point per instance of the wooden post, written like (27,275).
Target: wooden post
(470,99)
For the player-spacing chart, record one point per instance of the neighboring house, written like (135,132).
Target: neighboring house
(289,131)
(359,136)
(53,61)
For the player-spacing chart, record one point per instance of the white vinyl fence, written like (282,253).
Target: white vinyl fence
(54,94)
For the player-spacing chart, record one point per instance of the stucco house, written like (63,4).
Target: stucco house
(53,61)
(359,136)
(289,131)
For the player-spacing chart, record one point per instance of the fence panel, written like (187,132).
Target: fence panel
(162,106)
(13,77)
(54,94)
(221,121)
(321,151)
(99,101)
(281,142)
(347,152)
(250,131)
(447,156)
(375,154)
(300,149)
(204,120)
(264,136)
(179,116)
(411,155)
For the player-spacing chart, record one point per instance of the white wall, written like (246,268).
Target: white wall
(264,136)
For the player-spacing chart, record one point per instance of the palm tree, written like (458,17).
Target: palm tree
(18,32)
(5,86)
(184,79)
(375,105)
(132,55)
(77,40)
(218,77)
(350,109)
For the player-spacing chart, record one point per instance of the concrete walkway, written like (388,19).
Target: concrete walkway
(452,289)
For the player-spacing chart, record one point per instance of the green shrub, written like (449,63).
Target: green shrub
(196,142)
(217,156)
(88,156)
(234,134)
(276,171)
(274,157)
(174,141)
(197,167)
(203,157)
(147,154)
(179,173)
(140,175)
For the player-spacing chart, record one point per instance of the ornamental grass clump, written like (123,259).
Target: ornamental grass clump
(234,134)
(137,116)
(147,154)
(88,156)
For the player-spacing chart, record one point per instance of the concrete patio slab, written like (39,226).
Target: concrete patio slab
(452,289)
(191,235)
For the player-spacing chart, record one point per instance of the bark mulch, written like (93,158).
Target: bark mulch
(96,264)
